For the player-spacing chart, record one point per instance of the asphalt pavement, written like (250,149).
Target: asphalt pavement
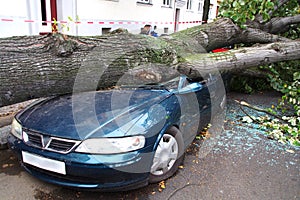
(239,162)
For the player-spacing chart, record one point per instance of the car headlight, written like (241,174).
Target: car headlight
(16,129)
(111,145)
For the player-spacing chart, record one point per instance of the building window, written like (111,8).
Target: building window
(189,5)
(145,1)
(200,7)
(167,3)
(44,12)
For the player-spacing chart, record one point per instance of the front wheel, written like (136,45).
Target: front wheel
(168,156)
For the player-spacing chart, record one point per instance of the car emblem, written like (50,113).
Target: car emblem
(46,141)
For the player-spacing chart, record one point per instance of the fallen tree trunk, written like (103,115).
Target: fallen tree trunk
(39,66)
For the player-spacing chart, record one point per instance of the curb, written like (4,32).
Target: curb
(4,132)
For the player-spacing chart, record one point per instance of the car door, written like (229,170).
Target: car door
(194,99)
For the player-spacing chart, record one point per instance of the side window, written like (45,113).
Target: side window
(196,80)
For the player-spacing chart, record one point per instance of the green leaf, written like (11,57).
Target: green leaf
(265,16)
(70,19)
(296,76)
(252,17)
(235,18)
(296,143)
(270,5)
(235,3)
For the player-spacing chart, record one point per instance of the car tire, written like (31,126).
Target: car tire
(168,156)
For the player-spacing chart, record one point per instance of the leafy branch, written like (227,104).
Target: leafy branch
(283,127)
(63,27)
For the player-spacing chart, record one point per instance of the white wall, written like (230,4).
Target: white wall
(193,14)
(213,10)
(19,11)
(9,10)
(118,11)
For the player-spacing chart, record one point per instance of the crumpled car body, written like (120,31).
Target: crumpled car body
(113,140)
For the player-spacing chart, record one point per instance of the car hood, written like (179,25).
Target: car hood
(79,116)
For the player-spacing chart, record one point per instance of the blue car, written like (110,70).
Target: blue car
(112,140)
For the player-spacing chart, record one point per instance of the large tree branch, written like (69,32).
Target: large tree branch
(222,32)
(280,24)
(276,24)
(278,4)
(238,59)
(251,35)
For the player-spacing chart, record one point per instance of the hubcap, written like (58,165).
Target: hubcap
(165,155)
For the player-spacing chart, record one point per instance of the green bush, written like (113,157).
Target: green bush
(285,78)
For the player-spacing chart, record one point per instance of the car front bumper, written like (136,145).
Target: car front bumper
(94,172)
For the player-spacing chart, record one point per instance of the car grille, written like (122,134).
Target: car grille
(35,139)
(50,143)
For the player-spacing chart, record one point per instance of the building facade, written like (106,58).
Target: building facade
(97,17)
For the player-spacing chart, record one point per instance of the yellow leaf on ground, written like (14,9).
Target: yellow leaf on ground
(162,185)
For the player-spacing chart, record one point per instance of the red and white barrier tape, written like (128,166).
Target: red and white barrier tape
(98,22)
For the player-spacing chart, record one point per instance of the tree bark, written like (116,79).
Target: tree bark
(280,24)
(240,59)
(39,66)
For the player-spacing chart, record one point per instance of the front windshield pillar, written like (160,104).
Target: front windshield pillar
(182,82)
